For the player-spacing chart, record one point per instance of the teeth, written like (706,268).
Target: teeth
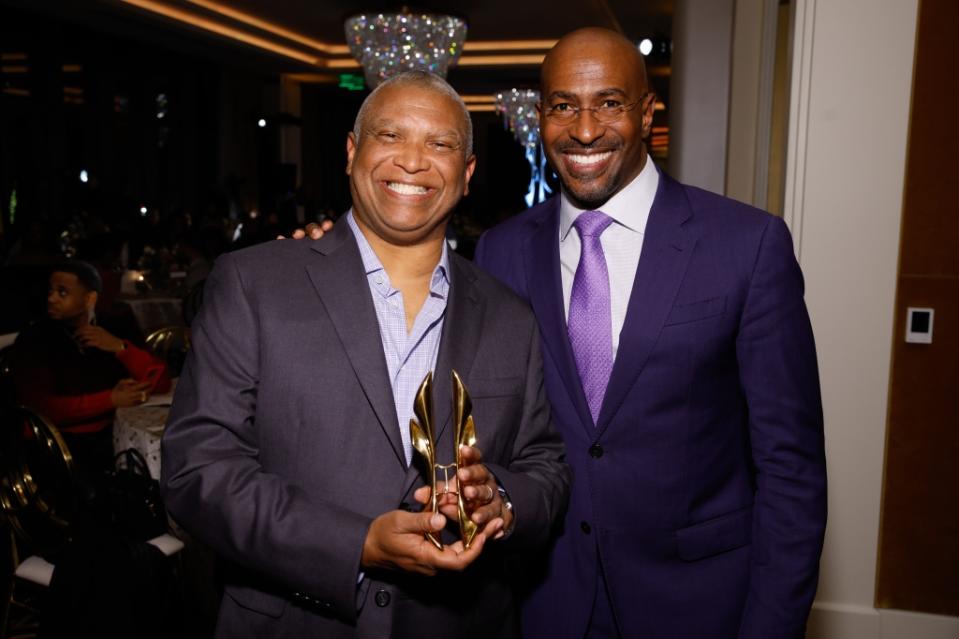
(587,160)
(406,189)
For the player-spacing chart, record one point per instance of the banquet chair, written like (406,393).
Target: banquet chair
(171,344)
(38,499)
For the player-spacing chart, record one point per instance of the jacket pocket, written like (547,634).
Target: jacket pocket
(703,309)
(256,600)
(495,387)
(708,538)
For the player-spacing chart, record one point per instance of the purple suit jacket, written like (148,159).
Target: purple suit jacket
(702,489)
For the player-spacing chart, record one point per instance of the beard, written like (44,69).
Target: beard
(591,192)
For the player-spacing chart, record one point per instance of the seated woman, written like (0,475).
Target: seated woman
(77,372)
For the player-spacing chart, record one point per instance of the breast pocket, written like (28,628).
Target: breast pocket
(256,600)
(497,412)
(481,388)
(696,311)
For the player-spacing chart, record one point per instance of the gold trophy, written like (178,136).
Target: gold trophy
(425,444)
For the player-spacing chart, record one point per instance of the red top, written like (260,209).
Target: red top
(70,385)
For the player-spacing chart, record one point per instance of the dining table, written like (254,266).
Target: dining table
(141,428)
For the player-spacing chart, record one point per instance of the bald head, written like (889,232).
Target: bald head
(594,44)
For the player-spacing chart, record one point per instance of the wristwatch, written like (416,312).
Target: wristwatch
(508,505)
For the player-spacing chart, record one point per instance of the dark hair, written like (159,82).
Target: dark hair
(84,271)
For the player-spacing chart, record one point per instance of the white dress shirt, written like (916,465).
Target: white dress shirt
(622,242)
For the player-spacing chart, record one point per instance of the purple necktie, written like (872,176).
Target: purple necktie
(590,323)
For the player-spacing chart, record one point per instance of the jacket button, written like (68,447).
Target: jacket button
(584,526)
(595,451)
(382,598)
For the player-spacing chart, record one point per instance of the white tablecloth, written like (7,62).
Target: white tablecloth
(141,427)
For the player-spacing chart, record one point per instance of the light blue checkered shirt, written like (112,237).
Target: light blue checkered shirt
(409,356)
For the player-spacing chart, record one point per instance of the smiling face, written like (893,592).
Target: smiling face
(595,160)
(409,167)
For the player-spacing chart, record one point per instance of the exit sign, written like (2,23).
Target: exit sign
(352,82)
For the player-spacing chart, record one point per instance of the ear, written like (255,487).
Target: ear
(470,167)
(350,151)
(90,300)
(648,115)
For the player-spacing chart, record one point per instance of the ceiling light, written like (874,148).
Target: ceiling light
(389,43)
(518,107)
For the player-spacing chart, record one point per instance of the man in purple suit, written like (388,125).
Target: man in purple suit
(681,369)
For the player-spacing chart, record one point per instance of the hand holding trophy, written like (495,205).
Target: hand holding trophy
(422,435)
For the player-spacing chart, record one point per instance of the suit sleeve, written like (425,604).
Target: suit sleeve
(537,477)
(780,380)
(213,482)
(479,255)
(493,258)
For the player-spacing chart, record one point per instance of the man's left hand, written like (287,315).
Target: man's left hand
(484,504)
(97,337)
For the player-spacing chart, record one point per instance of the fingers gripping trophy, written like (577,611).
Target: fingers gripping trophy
(422,435)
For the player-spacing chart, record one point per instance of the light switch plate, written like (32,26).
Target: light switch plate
(919,325)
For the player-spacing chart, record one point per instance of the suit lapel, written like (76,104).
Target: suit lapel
(546,296)
(462,329)
(667,248)
(340,280)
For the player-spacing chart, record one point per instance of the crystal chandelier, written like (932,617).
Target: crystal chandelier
(390,43)
(518,107)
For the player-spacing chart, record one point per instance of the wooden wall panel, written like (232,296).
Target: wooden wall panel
(919,534)
(919,546)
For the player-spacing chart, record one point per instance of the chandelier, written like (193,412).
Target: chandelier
(518,107)
(389,43)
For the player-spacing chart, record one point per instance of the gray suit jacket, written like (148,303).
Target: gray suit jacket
(282,444)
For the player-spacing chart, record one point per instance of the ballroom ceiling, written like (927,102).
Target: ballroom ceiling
(487,19)
(308,35)
(505,43)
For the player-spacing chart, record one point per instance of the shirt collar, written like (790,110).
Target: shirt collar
(372,263)
(629,207)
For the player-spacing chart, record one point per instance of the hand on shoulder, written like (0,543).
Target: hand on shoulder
(313,231)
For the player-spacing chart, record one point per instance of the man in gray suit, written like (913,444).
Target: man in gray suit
(288,448)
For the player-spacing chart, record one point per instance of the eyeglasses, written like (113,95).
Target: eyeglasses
(608,112)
